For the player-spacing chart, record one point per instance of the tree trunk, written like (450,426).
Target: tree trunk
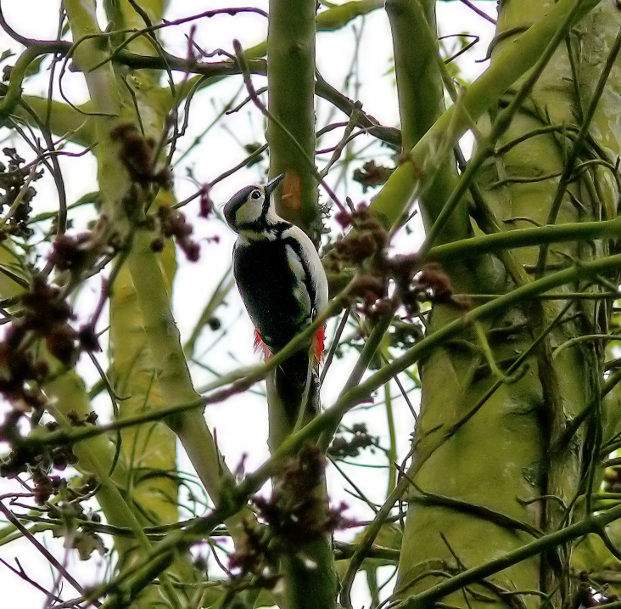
(503,395)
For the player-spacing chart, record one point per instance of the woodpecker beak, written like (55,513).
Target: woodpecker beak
(270,187)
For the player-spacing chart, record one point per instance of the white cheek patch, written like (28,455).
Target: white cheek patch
(249,212)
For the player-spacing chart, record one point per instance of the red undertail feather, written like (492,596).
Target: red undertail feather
(260,347)
(318,345)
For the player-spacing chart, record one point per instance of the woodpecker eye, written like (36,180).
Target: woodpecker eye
(256,194)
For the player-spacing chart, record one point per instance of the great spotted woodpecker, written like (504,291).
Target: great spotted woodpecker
(283,285)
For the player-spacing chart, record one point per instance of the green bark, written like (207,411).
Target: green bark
(291,91)
(514,451)
(419,73)
(149,451)
(150,364)
(309,572)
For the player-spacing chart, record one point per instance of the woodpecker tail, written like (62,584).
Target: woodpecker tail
(297,386)
(297,378)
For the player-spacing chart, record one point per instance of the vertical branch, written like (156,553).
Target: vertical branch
(418,70)
(132,369)
(419,168)
(110,101)
(291,90)
(419,82)
(123,202)
(172,369)
(153,447)
(107,102)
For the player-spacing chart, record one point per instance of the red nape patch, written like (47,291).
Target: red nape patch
(261,347)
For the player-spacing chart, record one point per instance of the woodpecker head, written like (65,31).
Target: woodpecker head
(251,209)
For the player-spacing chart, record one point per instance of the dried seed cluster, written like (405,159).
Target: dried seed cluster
(137,154)
(43,316)
(40,462)
(169,222)
(386,282)
(344,448)
(295,514)
(372,175)
(17,194)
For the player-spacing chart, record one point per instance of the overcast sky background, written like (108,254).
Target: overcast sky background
(220,149)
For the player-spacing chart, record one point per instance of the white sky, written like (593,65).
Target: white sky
(219,150)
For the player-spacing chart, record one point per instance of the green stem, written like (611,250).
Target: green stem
(14,90)
(511,63)
(523,237)
(291,116)
(419,72)
(172,369)
(392,436)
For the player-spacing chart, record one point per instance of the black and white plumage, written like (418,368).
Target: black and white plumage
(280,278)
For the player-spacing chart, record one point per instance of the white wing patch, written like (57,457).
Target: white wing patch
(300,290)
(312,264)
